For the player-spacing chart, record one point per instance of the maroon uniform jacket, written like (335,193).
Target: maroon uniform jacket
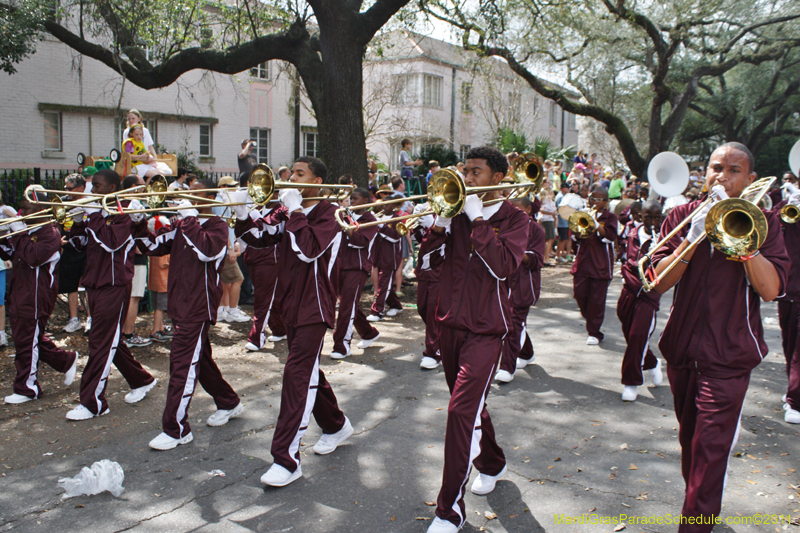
(791,237)
(34,276)
(309,243)
(196,252)
(634,250)
(595,257)
(478,258)
(262,256)
(387,249)
(355,253)
(526,282)
(109,243)
(715,322)
(423,271)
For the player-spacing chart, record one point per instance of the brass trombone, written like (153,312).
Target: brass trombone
(735,226)
(528,167)
(790,214)
(582,224)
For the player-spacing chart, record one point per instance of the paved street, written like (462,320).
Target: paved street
(573,447)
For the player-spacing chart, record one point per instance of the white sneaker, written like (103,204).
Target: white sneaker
(278,476)
(429,363)
(327,443)
(522,363)
(783,399)
(12,354)
(504,376)
(3,338)
(629,393)
(340,355)
(88,325)
(592,341)
(17,398)
(393,312)
(791,416)
(276,338)
(484,484)
(137,395)
(69,375)
(656,376)
(165,442)
(222,316)
(366,343)
(373,318)
(73,325)
(221,417)
(442,526)
(236,315)
(82,413)
(252,347)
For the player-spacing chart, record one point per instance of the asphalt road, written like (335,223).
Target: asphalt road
(573,447)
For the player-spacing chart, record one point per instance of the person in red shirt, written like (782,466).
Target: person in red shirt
(594,266)
(355,265)
(636,307)
(387,259)
(479,250)
(525,285)
(109,242)
(713,338)
(309,238)
(32,296)
(197,248)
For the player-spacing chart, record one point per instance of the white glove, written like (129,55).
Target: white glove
(794,198)
(473,207)
(419,208)
(291,199)
(135,205)
(426,221)
(240,211)
(17,226)
(720,192)
(698,227)
(186,213)
(93,207)
(8,211)
(442,222)
(788,187)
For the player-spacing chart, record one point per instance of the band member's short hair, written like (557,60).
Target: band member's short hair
(316,166)
(207,184)
(131,180)
(745,150)
(361,193)
(495,159)
(345,179)
(75,179)
(108,176)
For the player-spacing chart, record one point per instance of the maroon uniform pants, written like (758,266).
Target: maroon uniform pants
(33,348)
(427,301)
(351,285)
(590,293)
(305,392)
(789,317)
(708,411)
(384,293)
(109,307)
(265,309)
(190,361)
(516,343)
(469,362)
(638,320)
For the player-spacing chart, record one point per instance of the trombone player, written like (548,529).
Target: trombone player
(713,338)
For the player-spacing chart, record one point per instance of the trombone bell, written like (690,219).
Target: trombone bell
(582,223)
(736,227)
(790,214)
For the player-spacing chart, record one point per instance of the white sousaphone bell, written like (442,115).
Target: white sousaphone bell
(794,158)
(668,174)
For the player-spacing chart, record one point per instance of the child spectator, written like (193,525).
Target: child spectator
(157,284)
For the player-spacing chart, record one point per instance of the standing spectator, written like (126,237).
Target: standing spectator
(180,181)
(547,216)
(372,168)
(283,174)
(580,158)
(73,260)
(6,211)
(157,284)
(406,164)
(597,172)
(616,186)
(558,174)
(433,166)
(460,169)
(564,247)
(247,160)
(138,285)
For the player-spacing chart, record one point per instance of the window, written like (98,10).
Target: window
(52,131)
(261,71)
(261,136)
(553,114)
(404,90)
(466,93)
(151,125)
(462,153)
(311,144)
(205,140)
(571,121)
(432,91)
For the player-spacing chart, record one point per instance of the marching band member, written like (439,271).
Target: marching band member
(109,271)
(637,308)
(354,267)
(479,249)
(525,286)
(789,305)
(713,338)
(593,267)
(32,296)
(197,247)
(309,238)
(428,283)
(387,258)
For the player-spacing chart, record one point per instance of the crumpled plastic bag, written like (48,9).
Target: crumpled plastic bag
(104,475)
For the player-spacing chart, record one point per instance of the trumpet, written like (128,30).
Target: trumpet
(790,214)
(735,226)
(404,228)
(582,223)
